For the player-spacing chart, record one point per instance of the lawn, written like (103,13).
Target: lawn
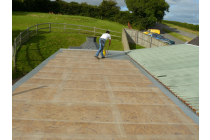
(181,28)
(41,46)
(135,46)
(22,20)
(178,36)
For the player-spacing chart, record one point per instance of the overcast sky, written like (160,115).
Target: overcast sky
(180,10)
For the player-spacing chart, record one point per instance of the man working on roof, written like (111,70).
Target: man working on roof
(102,41)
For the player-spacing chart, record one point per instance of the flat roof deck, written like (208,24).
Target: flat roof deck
(73,95)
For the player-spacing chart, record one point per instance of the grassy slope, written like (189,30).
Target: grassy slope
(178,36)
(41,46)
(181,28)
(22,20)
(181,37)
(135,46)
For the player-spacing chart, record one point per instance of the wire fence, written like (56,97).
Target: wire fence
(57,27)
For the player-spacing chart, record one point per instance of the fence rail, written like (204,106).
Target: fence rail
(30,32)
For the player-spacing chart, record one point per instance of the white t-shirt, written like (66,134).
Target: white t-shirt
(106,36)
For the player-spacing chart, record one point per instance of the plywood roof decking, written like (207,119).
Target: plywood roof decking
(76,96)
(177,67)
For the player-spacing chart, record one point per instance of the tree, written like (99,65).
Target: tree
(28,5)
(84,9)
(74,2)
(123,17)
(75,8)
(41,5)
(108,8)
(17,5)
(147,11)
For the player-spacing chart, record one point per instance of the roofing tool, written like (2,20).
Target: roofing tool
(107,50)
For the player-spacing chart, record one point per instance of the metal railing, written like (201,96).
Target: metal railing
(55,27)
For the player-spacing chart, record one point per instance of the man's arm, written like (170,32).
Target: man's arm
(109,41)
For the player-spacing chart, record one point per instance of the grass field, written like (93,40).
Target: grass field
(135,46)
(178,36)
(41,46)
(181,28)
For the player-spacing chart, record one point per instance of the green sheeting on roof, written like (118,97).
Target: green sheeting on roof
(176,66)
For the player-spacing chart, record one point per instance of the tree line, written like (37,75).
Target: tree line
(143,13)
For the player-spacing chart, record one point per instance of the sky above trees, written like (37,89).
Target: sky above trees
(180,10)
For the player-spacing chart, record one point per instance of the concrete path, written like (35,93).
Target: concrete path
(78,97)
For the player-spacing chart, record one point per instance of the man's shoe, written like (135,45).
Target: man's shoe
(103,57)
(97,57)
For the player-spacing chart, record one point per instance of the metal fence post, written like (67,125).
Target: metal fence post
(50,27)
(37,28)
